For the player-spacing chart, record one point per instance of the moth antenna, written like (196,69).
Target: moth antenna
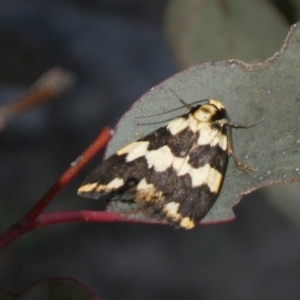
(181,100)
(157,122)
(185,104)
(235,125)
(162,113)
(171,110)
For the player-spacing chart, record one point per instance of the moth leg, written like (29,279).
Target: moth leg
(237,162)
(230,150)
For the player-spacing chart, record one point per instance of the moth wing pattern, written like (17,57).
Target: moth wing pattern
(175,172)
(124,174)
(199,178)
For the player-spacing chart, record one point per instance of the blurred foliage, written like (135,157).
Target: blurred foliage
(200,30)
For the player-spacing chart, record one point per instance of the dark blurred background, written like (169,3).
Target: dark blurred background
(118,50)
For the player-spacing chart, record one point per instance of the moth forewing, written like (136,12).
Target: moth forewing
(174,173)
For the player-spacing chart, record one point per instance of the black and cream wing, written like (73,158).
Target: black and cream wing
(128,170)
(175,172)
(199,178)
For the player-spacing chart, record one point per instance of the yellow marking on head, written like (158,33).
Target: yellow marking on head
(87,188)
(217,104)
(187,223)
(205,113)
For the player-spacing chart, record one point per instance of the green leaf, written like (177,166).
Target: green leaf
(269,90)
(202,30)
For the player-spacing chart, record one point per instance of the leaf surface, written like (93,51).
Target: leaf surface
(269,90)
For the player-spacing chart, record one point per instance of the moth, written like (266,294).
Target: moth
(176,172)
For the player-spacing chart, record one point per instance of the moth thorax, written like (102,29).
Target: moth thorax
(206,113)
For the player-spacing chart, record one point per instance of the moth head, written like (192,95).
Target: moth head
(213,110)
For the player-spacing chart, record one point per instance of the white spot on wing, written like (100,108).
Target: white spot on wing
(115,184)
(214,180)
(212,137)
(206,175)
(203,175)
(178,163)
(184,168)
(160,159)
(177,125)
(223,142)
(147,192)
(187,223)
(172,210)
(199,176)
(89,187)
(134,150)
(111,186)
(144,185)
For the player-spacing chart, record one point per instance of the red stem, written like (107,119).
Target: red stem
(29,221)
(51,84)
(70,173)
(47,219)
(86,216)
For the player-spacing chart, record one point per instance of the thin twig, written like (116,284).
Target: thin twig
(87,216)
(29,221)
(49,85)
